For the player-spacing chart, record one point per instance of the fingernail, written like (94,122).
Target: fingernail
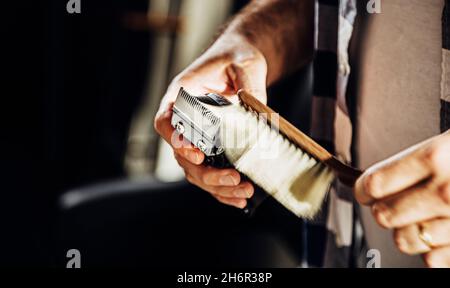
(402,245)
(227,180)
(242,204)
(241,193)
(381,213)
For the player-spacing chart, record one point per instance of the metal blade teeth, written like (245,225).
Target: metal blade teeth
(195,103)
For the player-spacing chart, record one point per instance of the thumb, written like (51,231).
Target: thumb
(250,78)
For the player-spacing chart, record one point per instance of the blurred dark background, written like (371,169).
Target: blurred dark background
(81,166)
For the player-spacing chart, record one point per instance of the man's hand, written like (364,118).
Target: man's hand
(265,41)
(224,69)
(410,193)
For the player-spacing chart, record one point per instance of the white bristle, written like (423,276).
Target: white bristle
(291,176)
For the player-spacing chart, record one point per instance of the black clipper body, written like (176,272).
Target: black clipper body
(198,119)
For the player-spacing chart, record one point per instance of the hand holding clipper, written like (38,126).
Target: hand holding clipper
(224,68)
(198,120)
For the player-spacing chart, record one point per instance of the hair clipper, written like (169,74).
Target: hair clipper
(198,119)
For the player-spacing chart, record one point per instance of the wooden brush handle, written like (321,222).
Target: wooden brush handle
(345,173)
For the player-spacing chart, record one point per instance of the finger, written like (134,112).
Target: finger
(408,241)
(209,175)
(185,149)
(421,203)
(439,230)
(181,146)
(162,123)
(236,202)
(251,78)
(392,176)
(438,258)
(406,169)
(244,190)
(439,157)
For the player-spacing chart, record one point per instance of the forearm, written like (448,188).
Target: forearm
(282,30)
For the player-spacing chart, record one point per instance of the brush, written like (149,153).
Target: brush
(244,133)
(299,172)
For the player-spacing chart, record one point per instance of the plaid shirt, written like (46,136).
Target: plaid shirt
(331,72)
